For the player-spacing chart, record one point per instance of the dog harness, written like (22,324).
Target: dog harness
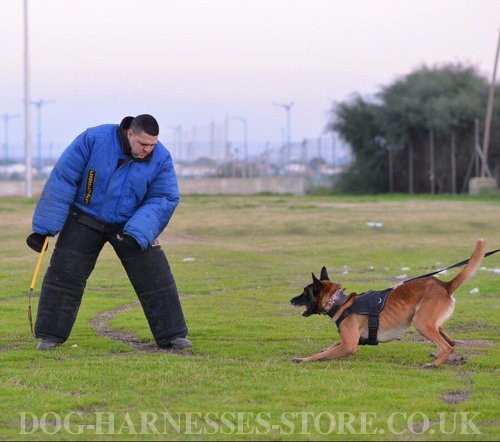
(370,303)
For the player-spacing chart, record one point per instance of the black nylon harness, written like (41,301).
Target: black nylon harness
(371,303)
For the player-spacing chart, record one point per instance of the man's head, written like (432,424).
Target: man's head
(142,135)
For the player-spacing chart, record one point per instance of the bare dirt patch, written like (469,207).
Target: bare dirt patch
(469,345)
(101,325)
(413,336)
(456,359)
(458,396)
(455,397)
(474,343)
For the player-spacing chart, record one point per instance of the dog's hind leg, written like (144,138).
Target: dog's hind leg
(433,335)
(446,337)
(432,311)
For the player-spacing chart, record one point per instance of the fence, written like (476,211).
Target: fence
(211,151)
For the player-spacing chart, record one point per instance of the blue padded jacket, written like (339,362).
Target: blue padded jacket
(95,175)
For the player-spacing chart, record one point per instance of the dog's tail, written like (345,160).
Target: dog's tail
(470,269)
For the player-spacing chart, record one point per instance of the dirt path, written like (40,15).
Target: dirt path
(101,325)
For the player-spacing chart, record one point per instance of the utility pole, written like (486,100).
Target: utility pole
(211,153)
(27,115)
(192,145)
(39,104)
(453,164)
(391,168)
(6,118)
(227,146)
(177,141)
(432,167)
(489,112)
(288,109)
(477,147)
(410,168)
(334,151)
(245,143)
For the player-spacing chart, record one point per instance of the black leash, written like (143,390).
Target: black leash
(458,264)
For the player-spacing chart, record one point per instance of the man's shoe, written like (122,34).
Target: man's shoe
(47,345)
(179,344)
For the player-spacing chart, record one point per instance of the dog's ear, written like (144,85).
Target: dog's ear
(317,285)
(324,275)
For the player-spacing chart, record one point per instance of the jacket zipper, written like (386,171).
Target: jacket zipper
(126,163)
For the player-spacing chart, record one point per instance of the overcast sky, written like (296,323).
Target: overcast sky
(190,62)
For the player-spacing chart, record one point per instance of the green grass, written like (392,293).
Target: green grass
(251,255)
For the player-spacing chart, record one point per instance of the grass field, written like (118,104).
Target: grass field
(237,262)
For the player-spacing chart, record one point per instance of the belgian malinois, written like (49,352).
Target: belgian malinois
(427,302)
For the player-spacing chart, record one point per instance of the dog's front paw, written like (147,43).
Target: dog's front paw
(430,366)
(297,360)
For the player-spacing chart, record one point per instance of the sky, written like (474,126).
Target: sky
(193,62)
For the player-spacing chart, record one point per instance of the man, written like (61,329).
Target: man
(116,184)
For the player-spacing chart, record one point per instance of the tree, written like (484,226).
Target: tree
(422,125)
(358,123)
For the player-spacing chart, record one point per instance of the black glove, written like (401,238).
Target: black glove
(35,241)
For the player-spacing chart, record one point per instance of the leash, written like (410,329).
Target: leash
(458,264)
(33,281)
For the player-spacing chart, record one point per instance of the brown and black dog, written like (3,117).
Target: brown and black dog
(428,302)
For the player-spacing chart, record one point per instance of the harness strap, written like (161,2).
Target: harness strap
(369,304)
(373,315)
(373,323)
(372,330)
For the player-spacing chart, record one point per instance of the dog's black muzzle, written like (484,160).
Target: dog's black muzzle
(305,299)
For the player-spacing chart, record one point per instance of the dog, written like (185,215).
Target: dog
(427,302)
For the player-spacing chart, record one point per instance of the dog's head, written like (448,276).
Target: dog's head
(320,296)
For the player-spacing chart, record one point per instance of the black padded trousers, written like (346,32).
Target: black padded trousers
(75,254)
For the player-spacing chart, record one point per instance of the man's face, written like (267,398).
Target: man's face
(141,144)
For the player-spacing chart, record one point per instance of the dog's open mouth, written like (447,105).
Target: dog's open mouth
(304,301)
(308,311)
